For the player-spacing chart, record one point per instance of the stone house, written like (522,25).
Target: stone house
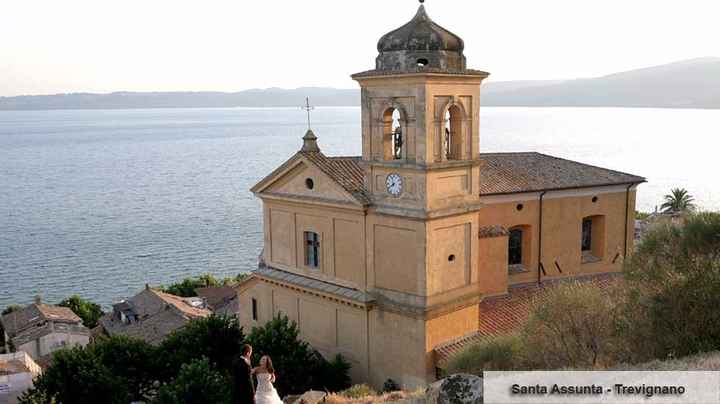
(40,329)
(388,257)
(17,372)
(151,315)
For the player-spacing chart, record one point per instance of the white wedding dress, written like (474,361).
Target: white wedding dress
(265,392)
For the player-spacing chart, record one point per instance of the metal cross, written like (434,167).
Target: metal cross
(308,108)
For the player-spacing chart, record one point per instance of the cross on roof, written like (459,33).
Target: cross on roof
(307,107)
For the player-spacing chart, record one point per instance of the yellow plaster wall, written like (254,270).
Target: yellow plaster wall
(342,237)
(451,326)
(327,325)
(293,183)
(396,254)
(397,350)
(563,213)
(457,236)
(492,266)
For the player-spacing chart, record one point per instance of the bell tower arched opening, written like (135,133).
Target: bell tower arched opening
(452,134)
(393,135)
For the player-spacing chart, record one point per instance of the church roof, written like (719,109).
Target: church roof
(314,284)
(508,173)
(500,173)
(345,171)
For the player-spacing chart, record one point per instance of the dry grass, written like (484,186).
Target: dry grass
(709,361)
(398,397)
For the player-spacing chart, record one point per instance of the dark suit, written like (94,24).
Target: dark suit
(243,386)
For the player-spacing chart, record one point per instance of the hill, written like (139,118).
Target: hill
(688,84)
(691,83)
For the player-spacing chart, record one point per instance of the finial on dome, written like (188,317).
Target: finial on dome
(310,142)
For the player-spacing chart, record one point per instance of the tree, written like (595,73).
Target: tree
(500,353)
(675,281)
(188,286)
(77,376)
(678,201)
(300,368)
(112,370)
(216,338)
(571,325)
(88,311)
(197,383)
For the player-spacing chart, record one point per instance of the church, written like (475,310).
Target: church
(388,257)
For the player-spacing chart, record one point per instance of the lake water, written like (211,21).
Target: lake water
(101,202)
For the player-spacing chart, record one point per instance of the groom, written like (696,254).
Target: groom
(243,387)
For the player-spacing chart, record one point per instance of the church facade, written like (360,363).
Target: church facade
(387,256)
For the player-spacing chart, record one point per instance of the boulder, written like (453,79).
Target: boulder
(456,389)
(291,399)
(311,397)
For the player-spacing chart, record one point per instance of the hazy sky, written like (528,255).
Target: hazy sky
(229,45)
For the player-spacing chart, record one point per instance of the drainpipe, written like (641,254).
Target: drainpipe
(540,226)
(627,218)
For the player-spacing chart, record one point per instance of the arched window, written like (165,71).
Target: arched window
(515,247)
(592,239)
(312,249)
(452,133)
(393,140)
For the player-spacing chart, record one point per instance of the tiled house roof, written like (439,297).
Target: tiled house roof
(507,173)
(217,296)
(153,315)
(504,315)
(17,321)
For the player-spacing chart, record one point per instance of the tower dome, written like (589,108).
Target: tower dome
(419,45)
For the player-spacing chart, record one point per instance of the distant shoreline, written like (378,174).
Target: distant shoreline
(357,107)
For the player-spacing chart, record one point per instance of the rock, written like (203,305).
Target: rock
(311,397)
(291,399)
(456,389)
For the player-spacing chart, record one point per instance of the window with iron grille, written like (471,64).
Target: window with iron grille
(312,249)
(515,247)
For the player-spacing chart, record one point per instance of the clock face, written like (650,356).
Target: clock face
(394,184)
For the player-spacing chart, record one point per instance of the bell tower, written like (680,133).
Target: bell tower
(420,122)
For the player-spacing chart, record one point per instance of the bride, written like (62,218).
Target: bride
(265,373)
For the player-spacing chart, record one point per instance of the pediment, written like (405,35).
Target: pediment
(299,178)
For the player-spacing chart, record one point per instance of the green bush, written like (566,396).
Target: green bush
(78,376)
(358,391)
(299,368)
(218,339)
(500,353)
(188,286)
(88,311)
(675,279)
(197,383)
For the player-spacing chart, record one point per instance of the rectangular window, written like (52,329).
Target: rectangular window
(254,310)
(515,247)
(587,234)
(312,249)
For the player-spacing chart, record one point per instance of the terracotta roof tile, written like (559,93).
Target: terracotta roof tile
(507,173)
(16,321)
(506,314)
(346,171)
(501,173)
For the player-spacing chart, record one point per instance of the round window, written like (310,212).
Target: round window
(520,207)
(309,183)
(451,258)
(595,199)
